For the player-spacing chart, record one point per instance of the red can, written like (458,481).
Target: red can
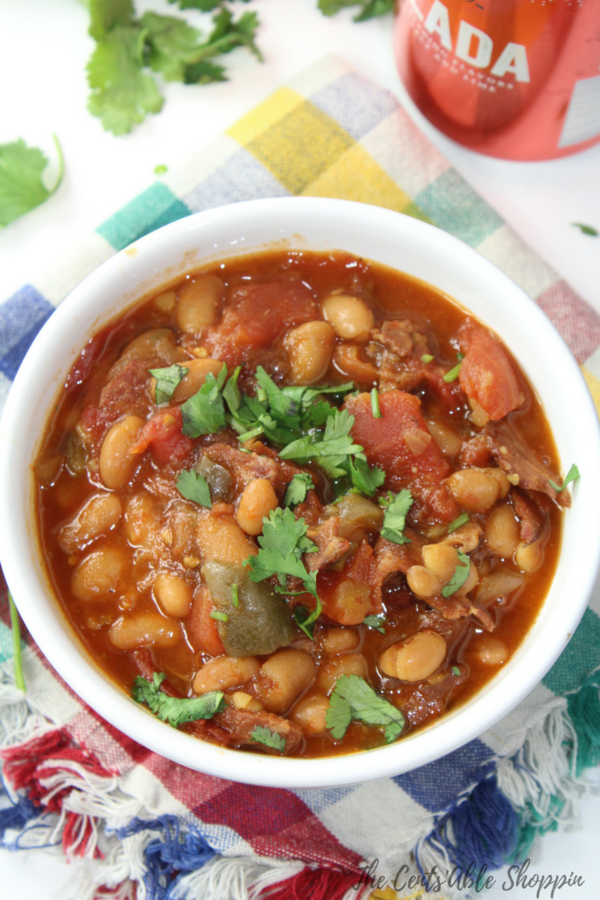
(517,79)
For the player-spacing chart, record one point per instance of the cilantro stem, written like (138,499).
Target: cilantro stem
(16,637)
(375,404)
(61,164)
(452,374)
(219,616)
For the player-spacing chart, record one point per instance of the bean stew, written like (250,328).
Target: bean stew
(299,503)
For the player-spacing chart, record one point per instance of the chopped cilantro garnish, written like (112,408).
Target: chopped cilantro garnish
(426,358)
(352,698)
(298,488)
(331,448)
(193,486)
(282,544)
(301,617)
(16,642)
(204,413)
(455,670)
(375,404)
(235,597)
(364,479)
(452,374)
(394,517)
(267,737)
(219,616)
(175,710)
(458,523)
(461,573)
(572,475)
(21,185)
(376,622)
(166,381)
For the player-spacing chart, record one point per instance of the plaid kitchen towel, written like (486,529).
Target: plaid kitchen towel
(151,829)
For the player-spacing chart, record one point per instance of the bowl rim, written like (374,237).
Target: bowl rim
(502,693)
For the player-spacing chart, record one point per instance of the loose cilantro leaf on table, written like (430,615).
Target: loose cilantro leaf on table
(394,517)
(167,380)
(369,8)
(21,185)
(297,489)
(176,710)
(193,486)
(461,573)
(204,413)
(267,737)
(572,475)
(352,698)
(585,229)
(376,622)
(16,642)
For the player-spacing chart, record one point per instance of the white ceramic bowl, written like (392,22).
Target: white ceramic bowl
(374,233)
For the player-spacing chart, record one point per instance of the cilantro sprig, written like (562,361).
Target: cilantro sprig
(267,737)
(167,380)
(461,573)
(352,698)
(572,475)
(21,185)
(394,518)
(204,413)
(458,523)
(176,710)
(297,489)
(194,486)
(331,448)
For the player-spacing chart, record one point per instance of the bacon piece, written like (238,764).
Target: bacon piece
(331,546)
(516,458)
(458,608)
(392,558)
(240,724)
(531,522)
(256,315)
(487,375)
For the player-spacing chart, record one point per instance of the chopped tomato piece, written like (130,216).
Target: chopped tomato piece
(163,434)
(201,629)
(350,595)
(487,375)
(399,441)
(255,316)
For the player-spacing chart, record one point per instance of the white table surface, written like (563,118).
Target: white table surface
(43,51)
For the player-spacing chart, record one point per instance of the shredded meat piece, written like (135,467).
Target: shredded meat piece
(241,723)
(347,359)
(331,546)
(247,467)
(515,458)
(475,452)
(310,510)
(458,607)
(531,522)
(392,558)
(402,337)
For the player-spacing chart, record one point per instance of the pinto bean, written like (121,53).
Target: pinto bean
(142,521)
(144,629)
(498,584)
(165,302)
(198,369)
(490,650)
(99,574)
(502,531)
(241,700)
(310,713)
(257,501)
(282,677)
(225,672)
(346,664)
(501,478)
(173,594)
(475,490)
(198,303)
(99,514)
(351,318)
(338,640)
(414,659)
(221,538)
(445,436)
(529,557)
(422,582)
(309,348)
(441,560)
(116,463)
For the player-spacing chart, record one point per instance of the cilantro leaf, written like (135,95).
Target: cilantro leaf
(394,517)
(297,489)
(585,229)
(171,44)
(194,487)
(267,737)
(330,448)
(426,358)
(231,392)
(365,479)
(353,698)
(21,185)
(204,413)
(175,710)
(376,622)
(104,14)
(282,543)
(167,380)
(458,523)
(369,8)
(461,573)
(121,93)
(302,618)
(455,670)
(572,475)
